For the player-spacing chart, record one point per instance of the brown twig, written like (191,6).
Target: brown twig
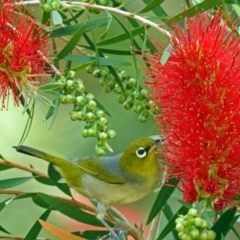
(24,168)
(20,238)
(154,225)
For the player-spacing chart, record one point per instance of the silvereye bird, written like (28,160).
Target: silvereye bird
(119,179)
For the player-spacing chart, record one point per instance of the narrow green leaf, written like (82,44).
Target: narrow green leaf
(151,6)
(36,228)
(56,17)
(171,223)
(82,66)
(162,198)
(71,43)
(166,54)
(69,30)
(122,37)
(74,17)
(55,177)
(2,229)
(42,180)
(4,204)
(39,202)
(70,210)
(91,235)
(44,100)
(234,220)
(222,237)
(50,86)
(192,11)
(223,223)
(3,167)
(102,60)
(12,182)
(25,195)
(102,36)
(236,232)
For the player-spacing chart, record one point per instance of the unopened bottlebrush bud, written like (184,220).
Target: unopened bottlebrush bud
(117,89)
(211,235)
(79,100)
(80,116)
(203,235)
(69,98)
(89,96)
(132,82)
(179,227)
(111,134)
(92,132)
(198,222)
(194,233)
(97,73)
(73,115)
(192,212)
(55,5)
(102,136)
(121,98)
(102,122)
(89,69)
(100,113)
(100,151)
(90,117)
(143,117)
(85,133)
(70,84)
(92,104)
(138,107)
(80,87)
(47,8)
(71,74)
(128,104)
(62,99)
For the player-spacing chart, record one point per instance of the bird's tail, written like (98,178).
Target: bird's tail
(59,162)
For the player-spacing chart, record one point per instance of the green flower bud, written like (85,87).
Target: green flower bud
(85,133)
(92,105)
(97,73)
(100,113)
(179,220)
(102,136)
(71,74)
(80,116)
(192,212)
(90,117)
(109,87)
(55,5)
(62,99)
(204,224)
(73,115)
(143,117)
(117,2)
(123,75)
(132,82)
(95,11)
(80,100)
(111,134)
(117,89)
(185,236)
(89,69)
(185,223)
(121,98)
(198,222)
(179,227)
(128,104)
(89,96)
(80,87)
(145,93)
(194,233)
(70,84)
(100,151)
(104,72)
(138,107)
(92,132)
(104,81)
(203,235)
(47,8)
(103,2)
(180,235)
(102,122)
(211,235)
(69,98)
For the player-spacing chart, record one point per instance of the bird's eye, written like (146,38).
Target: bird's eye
(141,152)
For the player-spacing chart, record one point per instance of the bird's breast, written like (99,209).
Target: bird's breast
(116,193)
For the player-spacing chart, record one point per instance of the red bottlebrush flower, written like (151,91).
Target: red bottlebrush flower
(23,50)
(198,94)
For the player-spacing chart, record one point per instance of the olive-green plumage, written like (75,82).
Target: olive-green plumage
(119,179)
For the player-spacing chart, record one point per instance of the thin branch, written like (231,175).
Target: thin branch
(118,11)
(19,238)
(154,226)
(24,168)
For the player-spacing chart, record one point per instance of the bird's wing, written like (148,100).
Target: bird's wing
(105,169)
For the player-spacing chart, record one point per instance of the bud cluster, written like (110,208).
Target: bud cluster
(193,227)
(133,97)
(50,5)
(85,109)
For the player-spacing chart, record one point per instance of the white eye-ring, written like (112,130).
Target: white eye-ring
(141,152)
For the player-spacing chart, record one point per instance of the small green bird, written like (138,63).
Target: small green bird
(120,179)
